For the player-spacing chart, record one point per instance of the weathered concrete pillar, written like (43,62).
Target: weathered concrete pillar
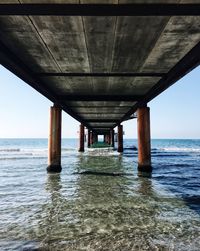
(88,139)
(106,138)
(95,137)
(112,134)
(109,139)
(144,139)
(81,138)
(120,139)
(54,148)
(91,138)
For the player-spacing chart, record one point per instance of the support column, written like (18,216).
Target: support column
(81,138)
(120,139)
(106,138)
(54,148)
(95,137)
(88,139)
(112,134)
(144,139)
(91,138)
(109,139)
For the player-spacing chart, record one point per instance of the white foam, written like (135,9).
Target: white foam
(180,149)
(106,151)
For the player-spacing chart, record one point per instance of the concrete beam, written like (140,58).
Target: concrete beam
(100,9)
(101,74)
(190,61)
(108,98)
(14,64)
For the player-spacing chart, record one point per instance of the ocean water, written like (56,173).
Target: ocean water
(98,201)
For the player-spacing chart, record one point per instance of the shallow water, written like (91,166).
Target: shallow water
(98,202)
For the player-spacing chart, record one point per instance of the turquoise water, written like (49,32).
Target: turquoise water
(98,202)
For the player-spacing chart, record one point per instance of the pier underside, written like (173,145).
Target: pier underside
(100,62)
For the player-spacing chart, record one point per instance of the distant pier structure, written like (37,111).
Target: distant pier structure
(100,63)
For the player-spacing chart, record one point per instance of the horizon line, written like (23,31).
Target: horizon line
(102,135)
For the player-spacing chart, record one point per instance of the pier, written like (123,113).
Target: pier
(100,63)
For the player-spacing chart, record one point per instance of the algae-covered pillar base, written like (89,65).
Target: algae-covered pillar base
(54,148)
(144,140)
(81,138)
(120,139)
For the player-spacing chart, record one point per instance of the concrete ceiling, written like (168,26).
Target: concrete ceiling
(99,69)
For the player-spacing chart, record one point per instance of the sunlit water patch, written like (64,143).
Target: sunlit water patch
(98,202)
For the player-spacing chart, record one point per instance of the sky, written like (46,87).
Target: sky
(24,113)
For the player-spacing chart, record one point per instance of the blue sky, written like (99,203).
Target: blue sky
(24,113)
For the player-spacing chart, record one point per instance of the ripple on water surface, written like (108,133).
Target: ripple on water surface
(87,208)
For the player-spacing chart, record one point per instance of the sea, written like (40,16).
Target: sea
(99,202)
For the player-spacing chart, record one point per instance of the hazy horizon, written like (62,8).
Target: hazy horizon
(100,134)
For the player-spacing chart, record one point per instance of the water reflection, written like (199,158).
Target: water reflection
(97,210)
(102,209)
(51,211)
(53,183)
(105,212)
(145,174)
(145,187)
